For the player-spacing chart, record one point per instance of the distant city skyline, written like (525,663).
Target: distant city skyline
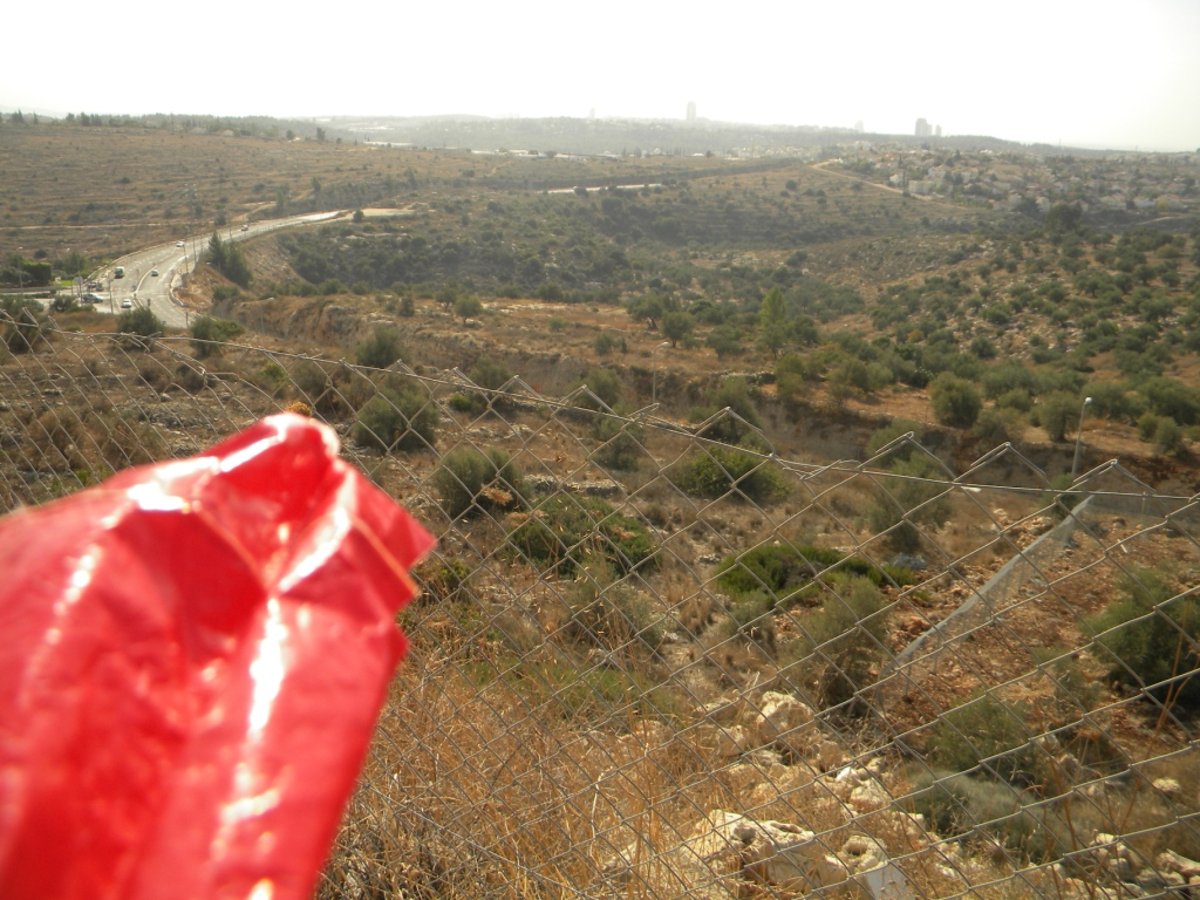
(1089,74)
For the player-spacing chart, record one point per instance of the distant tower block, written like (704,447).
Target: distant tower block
(923,129)
(691,111)
(937,132)
(858,126)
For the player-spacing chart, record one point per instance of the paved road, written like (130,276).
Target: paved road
(141,287)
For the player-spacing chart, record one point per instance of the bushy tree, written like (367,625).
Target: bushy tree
(622,444)
(1058,413)
(726,341)
(677,325)
(735,395)
(1151,639)
(569,531)
(955,400)
(473,481)
(380,349)
(140,325)
(772,322)
(987,728)
(401,416)
(716,471)
(491,374)
(903,503)
(467,306)
(209,332)
(226,257)
(651,307)
(605,343)
(24,323)
(605,384)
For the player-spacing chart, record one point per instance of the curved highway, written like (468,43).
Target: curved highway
(152,274)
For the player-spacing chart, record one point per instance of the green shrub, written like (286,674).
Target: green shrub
(606,343)
(1151,639)
(460,402)
(380,349)
(209,332)
(955,804)
(605,386)
(752,619)
(881,437)
(610,615)
(566,531)
(25,324)
(441,582)
(622,445)
(272,378)
(467,307)
(955,400)
(992,737)
(1058,413)
(780,571)
(844,642)
(716,471)
(314,383)
(190,377)
(1147,424)
(471,481)
(1112,401)
(1169,397)
(996,426)
(1017,399)
(491,375)
(1168,436)
(139,326)
(735,395)
(726,341)
(900,504)
(400,416)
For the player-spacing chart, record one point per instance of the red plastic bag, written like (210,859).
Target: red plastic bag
(192,659)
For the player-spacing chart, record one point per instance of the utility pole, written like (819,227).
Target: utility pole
(1079,437)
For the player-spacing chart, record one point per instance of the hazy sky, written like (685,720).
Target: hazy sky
(1079,72)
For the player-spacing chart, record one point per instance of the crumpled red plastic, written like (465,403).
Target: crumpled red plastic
(193,656)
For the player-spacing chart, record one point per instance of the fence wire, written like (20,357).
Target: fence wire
(656,659)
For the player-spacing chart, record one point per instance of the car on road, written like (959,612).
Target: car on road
(179,243)
(245,228)
(91,298)
(154,273)
(127,303)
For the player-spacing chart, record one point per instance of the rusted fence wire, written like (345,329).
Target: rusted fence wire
(656,658)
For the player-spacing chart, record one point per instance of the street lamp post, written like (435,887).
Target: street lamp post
(654,368)
(1079,437)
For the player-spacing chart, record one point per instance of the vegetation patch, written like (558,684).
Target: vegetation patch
(1150,639)
(784,571)
(470,481)
(716,471)
(566,531)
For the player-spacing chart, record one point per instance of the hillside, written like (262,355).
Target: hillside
(765,564)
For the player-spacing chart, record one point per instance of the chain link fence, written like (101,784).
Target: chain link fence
(656,659)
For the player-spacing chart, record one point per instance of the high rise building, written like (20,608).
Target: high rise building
(923,129)
(691,111)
